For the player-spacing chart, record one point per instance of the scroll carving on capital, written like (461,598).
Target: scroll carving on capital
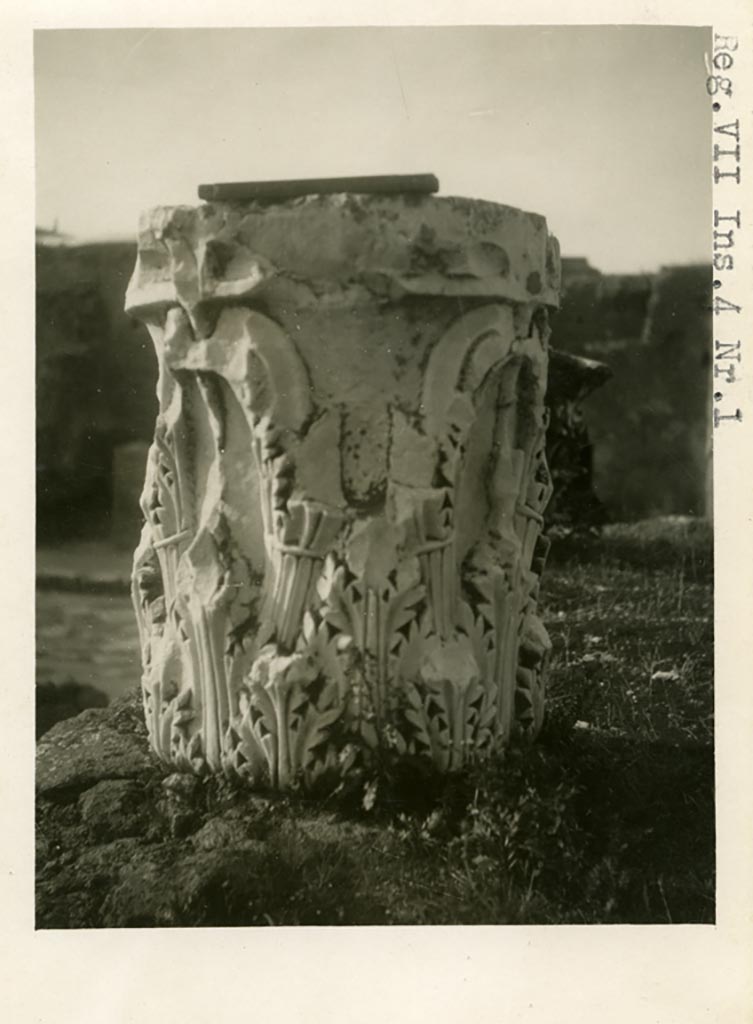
(325,579)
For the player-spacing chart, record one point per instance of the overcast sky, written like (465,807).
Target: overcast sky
(606,130)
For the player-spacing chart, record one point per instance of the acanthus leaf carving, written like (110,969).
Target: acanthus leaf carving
(299,609)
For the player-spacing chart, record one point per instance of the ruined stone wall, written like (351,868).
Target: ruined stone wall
(649,424)
(95,382)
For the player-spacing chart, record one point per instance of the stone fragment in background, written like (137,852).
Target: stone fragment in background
(575,505)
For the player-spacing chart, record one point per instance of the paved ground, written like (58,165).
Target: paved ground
(86,628)
(95,561)
(87,638)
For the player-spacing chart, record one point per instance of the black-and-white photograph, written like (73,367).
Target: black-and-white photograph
(376,388)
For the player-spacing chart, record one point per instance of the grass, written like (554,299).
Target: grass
(607,818)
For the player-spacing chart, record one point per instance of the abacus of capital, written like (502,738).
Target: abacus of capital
(343,500)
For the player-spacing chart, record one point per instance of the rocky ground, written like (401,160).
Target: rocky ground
(609,818)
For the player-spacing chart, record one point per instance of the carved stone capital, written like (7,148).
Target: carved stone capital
(344,496)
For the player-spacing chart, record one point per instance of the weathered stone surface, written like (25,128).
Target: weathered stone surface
(344,496)
(179,805)
(222,833)
(220,253)
(72,888)
(95,745)
(211,887)
(113,808)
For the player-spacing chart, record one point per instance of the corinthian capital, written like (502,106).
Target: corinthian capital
(343,500)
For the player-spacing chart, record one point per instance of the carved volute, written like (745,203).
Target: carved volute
(343,501)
